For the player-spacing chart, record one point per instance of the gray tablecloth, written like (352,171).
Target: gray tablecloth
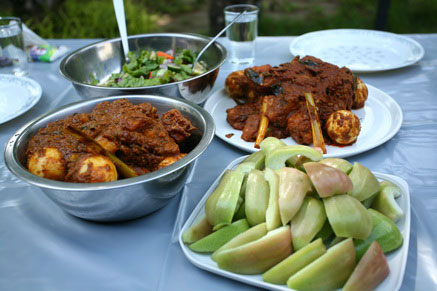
(43,248)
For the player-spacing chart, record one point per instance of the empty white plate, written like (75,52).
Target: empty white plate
(360,50)
(17,95)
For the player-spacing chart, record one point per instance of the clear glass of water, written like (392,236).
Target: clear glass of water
(13,58)
(242,33)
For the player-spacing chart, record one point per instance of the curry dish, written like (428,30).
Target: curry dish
(135,134)
(282,91)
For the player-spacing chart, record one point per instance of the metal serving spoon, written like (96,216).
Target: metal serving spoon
(215,38)
(121,21)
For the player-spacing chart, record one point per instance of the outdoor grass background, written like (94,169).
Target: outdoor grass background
(96,19)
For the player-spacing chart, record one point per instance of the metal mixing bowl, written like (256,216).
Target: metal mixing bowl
(103,58)
(123,199)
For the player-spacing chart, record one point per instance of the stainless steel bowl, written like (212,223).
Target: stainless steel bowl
(103,58)
(123,199)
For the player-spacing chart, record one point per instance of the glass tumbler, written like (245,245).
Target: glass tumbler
(13,58)
(242,34)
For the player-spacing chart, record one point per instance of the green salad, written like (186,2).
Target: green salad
(150,68)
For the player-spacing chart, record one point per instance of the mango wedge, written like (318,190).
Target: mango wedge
(253,233)
(280,273)
(328,180)
(257,256)
(307,222)
(198,230)
(348,217)
(328,272)
(384,231)
(276,158)
(271,143)
(385,201)
(293,186)
(370,271)
(273,217)
(223,201)
(365,183)
(215,240)
(258,158)
(256,197)
(338,163)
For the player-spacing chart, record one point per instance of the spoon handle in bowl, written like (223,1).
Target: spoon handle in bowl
(121,21)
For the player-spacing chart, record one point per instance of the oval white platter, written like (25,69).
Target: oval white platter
(17,95)
(381,118)
(360,50)
(397,260)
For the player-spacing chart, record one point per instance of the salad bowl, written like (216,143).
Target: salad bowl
(98,61)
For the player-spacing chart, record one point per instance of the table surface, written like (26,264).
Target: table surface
(43,248)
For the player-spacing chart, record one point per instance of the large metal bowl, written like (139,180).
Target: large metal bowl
(103,58)
(123,199)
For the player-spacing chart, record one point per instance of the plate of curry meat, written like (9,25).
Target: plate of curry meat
(272,101)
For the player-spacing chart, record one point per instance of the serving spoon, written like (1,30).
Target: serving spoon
(121,21)
(215,38)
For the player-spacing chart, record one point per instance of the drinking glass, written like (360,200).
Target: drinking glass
(13,58)
(242,33)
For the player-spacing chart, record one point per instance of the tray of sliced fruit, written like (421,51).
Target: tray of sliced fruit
(285,218)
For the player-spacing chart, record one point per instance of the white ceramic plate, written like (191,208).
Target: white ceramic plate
(381,119)
(360,50)
(17,95)
(397,260)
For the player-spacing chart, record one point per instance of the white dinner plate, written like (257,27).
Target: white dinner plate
(396,260)
(360,50)
(381,119)
(17,95)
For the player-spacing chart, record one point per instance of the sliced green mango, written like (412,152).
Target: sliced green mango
(245,167)
(280,273)
(338,163)
(198,230)
(277,157)
(257,197)
(370,271)
(253,233)
(273,217)
(270,143)
(307,222)
(385,201)
(293,186)
(327,180)
(384,231)
(328,272)
(215,240)
(326,232)
(257,158)
(365,183)
(347,216)
(223,201)
(257,256)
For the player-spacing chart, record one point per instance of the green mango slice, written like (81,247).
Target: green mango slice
(328,180)
(198,230)
(293,186)
(273,217)
(257,197)
(370,271)
(365,183)
(276,158)
(258,158)
(328,272)
(253,233)
(215,240)
(385,201)
(338,163)
(280,273)
(307,222)
(348,217)
(271,143)
(257,256)
(223,201)
(384,231)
